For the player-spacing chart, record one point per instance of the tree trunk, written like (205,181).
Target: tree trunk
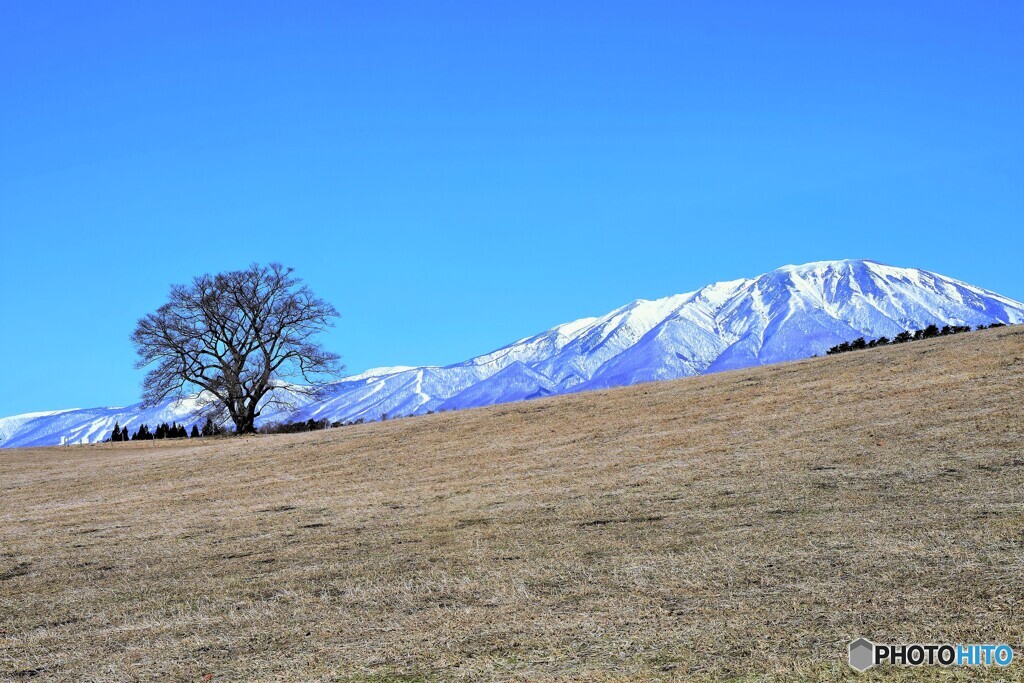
(246,422)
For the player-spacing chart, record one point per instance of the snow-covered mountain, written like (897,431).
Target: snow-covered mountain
(790,313)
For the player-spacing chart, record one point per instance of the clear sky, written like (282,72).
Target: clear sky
(455,176)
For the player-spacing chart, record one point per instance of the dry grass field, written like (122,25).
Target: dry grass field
(742,525)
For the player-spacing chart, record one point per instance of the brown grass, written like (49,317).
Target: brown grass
(746,524)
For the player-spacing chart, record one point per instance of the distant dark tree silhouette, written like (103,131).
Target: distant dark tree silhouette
(210,428)
(116,434)
(902,337)
(929,332)
(231,336)
(195,432)
(858,343)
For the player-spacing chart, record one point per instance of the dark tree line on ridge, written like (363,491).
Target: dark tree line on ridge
(905,336)
(164,431)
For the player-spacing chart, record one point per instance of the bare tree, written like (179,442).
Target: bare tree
(233,337)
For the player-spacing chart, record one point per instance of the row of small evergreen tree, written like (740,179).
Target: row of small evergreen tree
(905,336)
(164,431)
(174,431)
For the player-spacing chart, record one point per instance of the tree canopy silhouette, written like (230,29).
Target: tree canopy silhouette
(232,337)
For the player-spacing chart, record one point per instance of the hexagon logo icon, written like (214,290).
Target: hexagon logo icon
(862,654)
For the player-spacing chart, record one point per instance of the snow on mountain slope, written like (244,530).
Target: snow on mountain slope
(10,426)
(789,313)
(515,382)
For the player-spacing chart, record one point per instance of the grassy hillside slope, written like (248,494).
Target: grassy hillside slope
(741,524)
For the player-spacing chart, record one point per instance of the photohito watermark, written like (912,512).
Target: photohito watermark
(864,654)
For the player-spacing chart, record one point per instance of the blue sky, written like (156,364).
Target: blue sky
(454,176)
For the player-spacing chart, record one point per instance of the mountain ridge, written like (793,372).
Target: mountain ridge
(794,311)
